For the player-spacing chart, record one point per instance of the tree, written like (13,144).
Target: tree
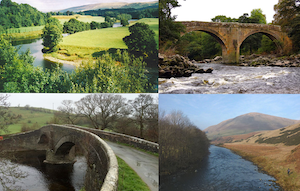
(6,117)
(168,29)
(258,15)
(142,110)
(141,40)
(52,35)
(287,16)
(68,112)
(102,109)
(124,22)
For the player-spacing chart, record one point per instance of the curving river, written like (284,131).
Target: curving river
(221,170)
(26,171)
(231,79)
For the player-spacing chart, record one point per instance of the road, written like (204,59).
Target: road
(144,164)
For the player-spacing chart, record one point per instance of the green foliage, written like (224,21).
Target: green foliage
(223,18)
(52,35)
(15,15)
(123,73)
(124,16)
(124,22)
(73,26)
(198,46)
(287,15)
(141,40)
(168,29)
(258,15)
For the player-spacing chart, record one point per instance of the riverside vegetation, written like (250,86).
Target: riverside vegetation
(106,68)
(182,145)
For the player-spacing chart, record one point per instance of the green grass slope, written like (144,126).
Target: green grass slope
(83,18)
(106,38)
(32,115)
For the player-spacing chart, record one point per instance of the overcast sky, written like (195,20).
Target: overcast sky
(55,5)
(207,110)
(205,10)
(52,101)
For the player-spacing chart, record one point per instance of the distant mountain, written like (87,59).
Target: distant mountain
(114,5)
(247,123)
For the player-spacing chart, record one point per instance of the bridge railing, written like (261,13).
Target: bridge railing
(122,138)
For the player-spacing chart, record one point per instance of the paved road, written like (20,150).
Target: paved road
(144,164)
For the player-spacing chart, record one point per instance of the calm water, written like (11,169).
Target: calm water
(235,79)
(37,176)
(35,46)
(222,170)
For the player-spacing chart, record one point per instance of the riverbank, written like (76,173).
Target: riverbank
(23,35)
(48,57)
(273,159)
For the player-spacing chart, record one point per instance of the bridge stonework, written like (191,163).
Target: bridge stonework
(59,143)
(232,35)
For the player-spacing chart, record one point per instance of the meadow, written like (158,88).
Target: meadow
(92,43)
(23,33)
(29,116)
(83,18)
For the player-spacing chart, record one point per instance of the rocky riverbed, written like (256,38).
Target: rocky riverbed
(178,66)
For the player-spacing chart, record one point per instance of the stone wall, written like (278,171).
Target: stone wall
(118,137)
(102,173)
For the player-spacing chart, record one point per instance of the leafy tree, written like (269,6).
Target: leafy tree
(258,15)
(6,117)
(124,22)
(94,25)
(223,18)
(287,15)
(52,35)
(141,39)
(168,29)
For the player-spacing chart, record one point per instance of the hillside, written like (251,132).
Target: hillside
(247,123)
(114,5)
(30,116)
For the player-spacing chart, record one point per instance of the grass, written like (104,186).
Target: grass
(91,44)
(83,18)
(274,159)
(128,179)
(28,117)
(24,33)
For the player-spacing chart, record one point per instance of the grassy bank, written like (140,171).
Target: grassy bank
(273,159)
(23,33)
(128,179)
(93,43)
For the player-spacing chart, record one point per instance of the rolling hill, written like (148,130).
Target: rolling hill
(114,5)
(247,123)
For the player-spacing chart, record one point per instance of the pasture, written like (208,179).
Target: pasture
(83,18)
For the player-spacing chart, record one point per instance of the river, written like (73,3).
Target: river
(35,46)
(38,176)
(221,170)
(231,79)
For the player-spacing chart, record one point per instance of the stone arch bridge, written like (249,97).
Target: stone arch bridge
(60,142)
(232,35)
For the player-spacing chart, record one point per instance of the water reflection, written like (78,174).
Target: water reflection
(222,170)
(35,46)
(38,176)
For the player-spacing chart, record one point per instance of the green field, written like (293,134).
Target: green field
(23,29)
(106,38)
(29,117)
(83,18)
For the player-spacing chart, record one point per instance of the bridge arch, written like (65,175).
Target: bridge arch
(274,37)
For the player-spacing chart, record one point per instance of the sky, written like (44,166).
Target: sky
(51,101)
(205,10)
(207,110)
(55,5)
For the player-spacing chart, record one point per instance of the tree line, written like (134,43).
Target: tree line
(15,15)
(182,144)
(136,117)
